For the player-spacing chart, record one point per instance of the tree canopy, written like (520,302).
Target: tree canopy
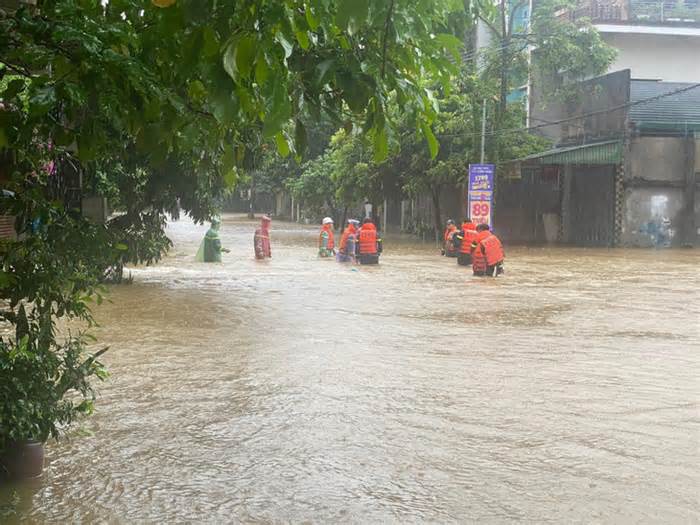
(491,75)
(163,106)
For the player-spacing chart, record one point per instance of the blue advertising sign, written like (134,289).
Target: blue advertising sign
(480,195)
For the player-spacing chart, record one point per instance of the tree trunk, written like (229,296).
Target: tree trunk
(345,218)
(251,207)
(435,194)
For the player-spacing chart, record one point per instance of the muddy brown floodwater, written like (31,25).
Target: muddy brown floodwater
(302,390)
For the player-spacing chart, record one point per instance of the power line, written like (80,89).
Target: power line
(521,39)
(468,57)
(578,117)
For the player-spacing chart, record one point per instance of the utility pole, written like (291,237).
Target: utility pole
(384,216)
(483,131)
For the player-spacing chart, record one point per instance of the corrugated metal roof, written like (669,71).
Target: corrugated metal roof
(609,152)
(679,112)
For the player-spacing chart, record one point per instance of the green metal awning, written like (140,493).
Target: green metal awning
(609,152)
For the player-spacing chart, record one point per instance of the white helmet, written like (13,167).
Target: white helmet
(327,220)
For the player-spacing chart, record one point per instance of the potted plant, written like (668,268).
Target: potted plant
(49,274)
(43,388)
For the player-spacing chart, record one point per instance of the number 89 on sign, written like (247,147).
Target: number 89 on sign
(481,212)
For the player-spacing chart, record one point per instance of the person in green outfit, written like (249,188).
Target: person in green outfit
(326,239)
(210,249)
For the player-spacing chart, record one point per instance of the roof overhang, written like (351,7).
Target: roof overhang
(650,127)
(648,29)
(600,153)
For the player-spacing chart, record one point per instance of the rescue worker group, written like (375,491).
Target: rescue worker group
(471,244)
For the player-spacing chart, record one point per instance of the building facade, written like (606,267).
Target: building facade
(654,39)
(624,171)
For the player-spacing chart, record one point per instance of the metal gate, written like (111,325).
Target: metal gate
(592,206)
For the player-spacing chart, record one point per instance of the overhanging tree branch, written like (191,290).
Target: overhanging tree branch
(389,14)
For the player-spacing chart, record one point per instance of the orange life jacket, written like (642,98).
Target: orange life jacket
(448,232)
(368,239)
(350,230)
(468,235)
(488,251)
(493,250)
(331,237)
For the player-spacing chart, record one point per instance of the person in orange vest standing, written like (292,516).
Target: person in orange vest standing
(369,245)
(448,247)
(348,242)
(463,240)
(261,239)
(487,253)
(326,239)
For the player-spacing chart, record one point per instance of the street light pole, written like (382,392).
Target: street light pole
(483,131)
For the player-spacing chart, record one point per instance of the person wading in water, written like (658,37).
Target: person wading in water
(369,244)
(210,249)
(487,253)
(326,239)
(261,239)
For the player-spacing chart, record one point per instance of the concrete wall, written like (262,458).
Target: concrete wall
(656,159)
(655,196)
(665,57)
(697,215)
(595,95)
(543,109)
(696,204)
(644,208)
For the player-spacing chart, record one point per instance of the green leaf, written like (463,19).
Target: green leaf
(323,69)
(262,71)
(196,91)
(431,104)
(300,137)
(41,102)
(210,42)
(286,45)
(355,92)
(381,144)
(246,101)
(279,110)
(5,279)
(228,159)
(245,55)
(450,42)
(352,10)
(153,110)
(86,146)
(310,18)
(282,144)
(231,178)
(147,141)
(121,247)
(219,87)
(229,60)
(13,87)
(433,144)
(240,153)
(303,39)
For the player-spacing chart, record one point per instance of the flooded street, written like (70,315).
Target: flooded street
(302,390)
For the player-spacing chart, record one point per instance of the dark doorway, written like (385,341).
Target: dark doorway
(592,211)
